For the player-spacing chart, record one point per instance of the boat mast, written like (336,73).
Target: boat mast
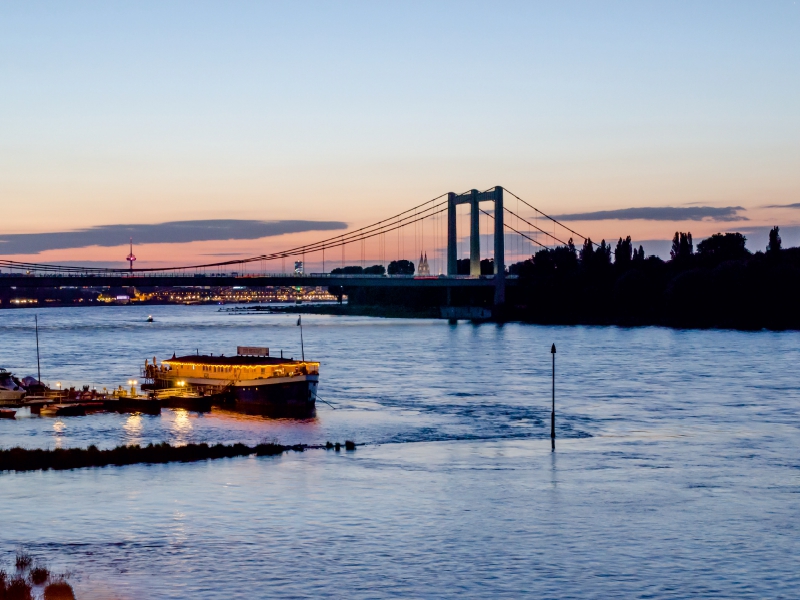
(302,348)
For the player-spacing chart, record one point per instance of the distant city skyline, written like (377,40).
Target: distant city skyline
(627,118)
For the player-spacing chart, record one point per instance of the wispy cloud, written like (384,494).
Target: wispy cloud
(160,233)
(661,213)
(795,205)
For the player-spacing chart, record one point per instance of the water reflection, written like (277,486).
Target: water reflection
(181,427)
(59,427)
(133,429)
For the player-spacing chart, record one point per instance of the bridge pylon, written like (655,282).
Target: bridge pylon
(474,198)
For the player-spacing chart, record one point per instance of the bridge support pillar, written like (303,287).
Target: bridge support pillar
(474,235)
(499,249)
(452,239)
(474,198)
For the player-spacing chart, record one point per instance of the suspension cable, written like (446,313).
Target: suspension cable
(584,238)
(547,233)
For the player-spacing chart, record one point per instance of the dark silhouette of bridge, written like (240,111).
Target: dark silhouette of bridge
(252,272)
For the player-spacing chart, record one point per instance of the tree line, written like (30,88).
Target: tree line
(718,283)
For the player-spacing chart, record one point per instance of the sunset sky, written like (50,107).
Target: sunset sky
(329,115)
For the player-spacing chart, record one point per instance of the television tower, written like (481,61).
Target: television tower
(131,257)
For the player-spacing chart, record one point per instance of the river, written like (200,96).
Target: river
(676,473)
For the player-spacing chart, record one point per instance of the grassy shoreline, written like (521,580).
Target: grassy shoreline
(22,459)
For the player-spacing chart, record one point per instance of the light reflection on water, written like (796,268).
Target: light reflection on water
(133,429)
(181,427)
(676,473)
(59,427)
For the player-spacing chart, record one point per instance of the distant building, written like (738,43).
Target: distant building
(298,267)
(424,268)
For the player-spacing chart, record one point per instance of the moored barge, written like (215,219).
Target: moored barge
(252,380)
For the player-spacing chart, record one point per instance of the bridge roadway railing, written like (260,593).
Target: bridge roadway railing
(53,280)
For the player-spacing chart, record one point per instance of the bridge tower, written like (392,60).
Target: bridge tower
(474,198)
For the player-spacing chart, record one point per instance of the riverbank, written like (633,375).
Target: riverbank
(554,317)
(357,310)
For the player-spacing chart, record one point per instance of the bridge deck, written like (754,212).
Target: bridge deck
(312,280)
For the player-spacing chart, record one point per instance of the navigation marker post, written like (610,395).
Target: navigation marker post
(553,413)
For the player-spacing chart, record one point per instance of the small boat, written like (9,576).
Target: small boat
(7,413)
(62,410)
(11,392)
(150,318)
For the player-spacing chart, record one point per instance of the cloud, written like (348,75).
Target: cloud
(661,213)
(795,205)
(159,233)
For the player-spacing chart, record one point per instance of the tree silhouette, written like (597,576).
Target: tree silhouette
(401,267)
(682,246)
(721,247)
(624,252)
(563,258)
(774,246)
(587,252)
(603,254)
(350,270)
(722,284)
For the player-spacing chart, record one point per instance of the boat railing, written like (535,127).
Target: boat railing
(178,391)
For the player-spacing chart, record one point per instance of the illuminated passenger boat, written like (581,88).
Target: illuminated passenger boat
(251,379)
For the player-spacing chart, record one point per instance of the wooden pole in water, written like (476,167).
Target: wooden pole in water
(302,348)
(38,364)
(553,412)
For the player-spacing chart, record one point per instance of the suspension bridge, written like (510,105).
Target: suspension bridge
(436,226)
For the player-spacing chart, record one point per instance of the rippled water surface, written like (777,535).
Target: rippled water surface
(677,472)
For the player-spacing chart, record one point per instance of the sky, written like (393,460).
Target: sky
(119,116)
